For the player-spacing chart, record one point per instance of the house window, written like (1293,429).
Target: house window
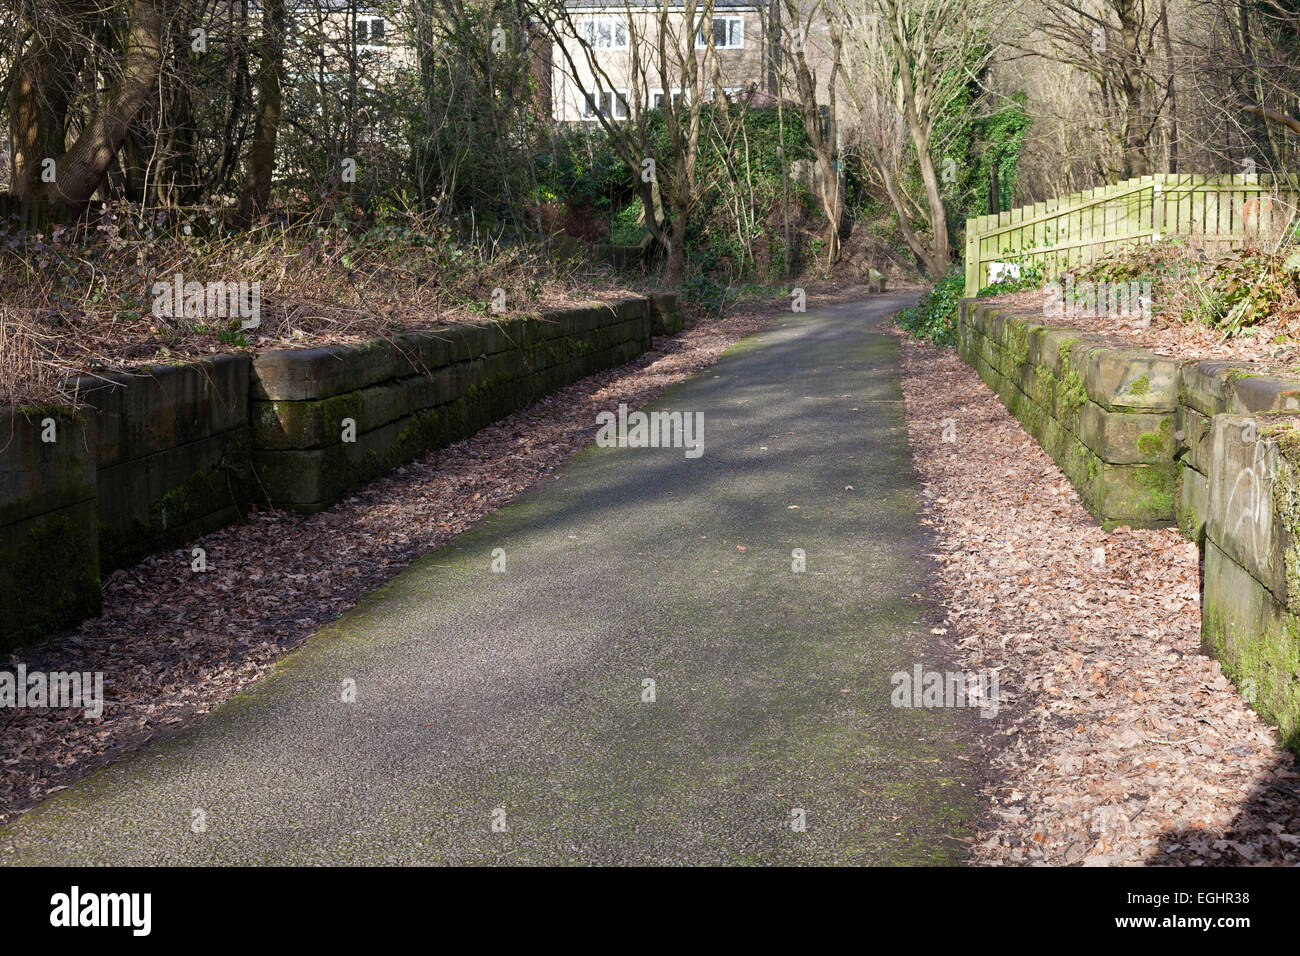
(728,33)
(605,103)
(605,33)
(370,31)
(658,98)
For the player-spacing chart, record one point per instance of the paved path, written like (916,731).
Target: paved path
(517,696)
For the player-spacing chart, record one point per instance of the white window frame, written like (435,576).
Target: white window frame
(731,20)
(369,20)
(674,94)
(590,28)
(613,100)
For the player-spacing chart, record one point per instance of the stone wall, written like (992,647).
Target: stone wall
(1149,441)
(1104,414)
(327,420)
(171,452)
(162,456)
(49,552)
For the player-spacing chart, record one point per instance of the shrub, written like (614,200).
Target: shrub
(934,318)
(1031,277)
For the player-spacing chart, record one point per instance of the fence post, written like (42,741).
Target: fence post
(1157,209)
(972,256)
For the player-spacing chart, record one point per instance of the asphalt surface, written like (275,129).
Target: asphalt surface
(501,717)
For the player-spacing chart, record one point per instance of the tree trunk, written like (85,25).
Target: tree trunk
(1172,90)
(920,134)
(938,215)
(261,154)
(41,89)
(924,256)
(675,268)
(80,170)
(821,135)
(1131,83)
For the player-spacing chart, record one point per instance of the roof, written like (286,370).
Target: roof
(656,4)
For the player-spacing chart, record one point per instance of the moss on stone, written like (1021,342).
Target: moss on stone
(1073,394)
(1263,666)
(182,513)
(49,574)
(1154,444)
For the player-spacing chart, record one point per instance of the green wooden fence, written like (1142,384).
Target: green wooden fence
(1062,233)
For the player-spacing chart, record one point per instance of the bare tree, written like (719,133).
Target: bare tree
(815,76)
(669,52)
(261,155)
(1115,43)
(909,61)
(47,71)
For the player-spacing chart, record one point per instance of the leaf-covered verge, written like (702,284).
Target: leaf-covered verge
(1118,742)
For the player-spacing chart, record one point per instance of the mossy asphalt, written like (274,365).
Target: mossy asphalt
(500,718)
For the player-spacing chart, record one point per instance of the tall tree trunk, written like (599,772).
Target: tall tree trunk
(675,267)
(41,90)
(81,169)
(919,130)
(1131,86)
(821,131)
(938,214)
(937,260)
(1172,89)
(37,114)
(1264,131)
(924,256)
(261,154)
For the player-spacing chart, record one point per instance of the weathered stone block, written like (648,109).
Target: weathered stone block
(1241,519)
(666,313)
(1204,386)
(37,476)
(1259,394)
(1126,438)
(164,406)
(1138,495)
(1193,503)
(1130,380)
(1056,348)
(1255,638)
(307,374)
(49,573)
(165,499)
(1192,434)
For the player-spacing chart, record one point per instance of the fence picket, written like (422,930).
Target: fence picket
(1065,232)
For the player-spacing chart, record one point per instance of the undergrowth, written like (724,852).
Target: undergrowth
(1234,292)
(80,300)
(934,317)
